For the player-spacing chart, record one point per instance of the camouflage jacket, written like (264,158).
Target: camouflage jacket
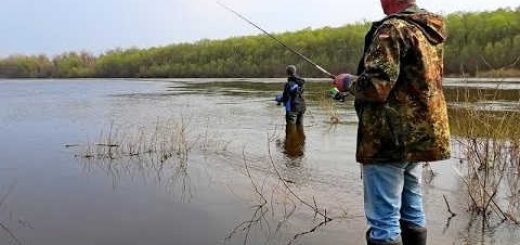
(398,95)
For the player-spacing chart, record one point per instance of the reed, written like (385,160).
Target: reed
(329,107)
(167,139)
(160,152)
(488,145)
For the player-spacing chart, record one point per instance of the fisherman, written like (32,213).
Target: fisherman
(402,118)
(292,97)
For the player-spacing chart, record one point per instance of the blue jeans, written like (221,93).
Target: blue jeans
(392,193)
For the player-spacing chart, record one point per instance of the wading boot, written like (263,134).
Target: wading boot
(413,235)
(369,242)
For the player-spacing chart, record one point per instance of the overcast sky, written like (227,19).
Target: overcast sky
(55,26)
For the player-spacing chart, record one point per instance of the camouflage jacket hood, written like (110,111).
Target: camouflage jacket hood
(398,95)
(430,24)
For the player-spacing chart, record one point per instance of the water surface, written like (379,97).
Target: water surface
(56,196)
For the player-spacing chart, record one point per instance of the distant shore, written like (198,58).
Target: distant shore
(448,79)
(480,44)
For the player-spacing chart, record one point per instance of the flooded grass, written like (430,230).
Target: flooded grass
(488,145)
(330,108)
(167,139)
(274,196)
(467,95)
(161,151)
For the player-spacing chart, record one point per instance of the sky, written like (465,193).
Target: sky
(55,26)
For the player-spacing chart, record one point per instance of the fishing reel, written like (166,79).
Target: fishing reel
(337,95)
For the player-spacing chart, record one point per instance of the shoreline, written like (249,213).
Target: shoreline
(309,79)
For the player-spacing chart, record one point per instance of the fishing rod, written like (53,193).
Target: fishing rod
(277,40)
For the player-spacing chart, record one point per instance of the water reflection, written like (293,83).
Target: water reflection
(7,233)
(172,173)
(292,155)
(294,144)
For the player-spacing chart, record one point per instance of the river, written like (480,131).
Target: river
(233,175)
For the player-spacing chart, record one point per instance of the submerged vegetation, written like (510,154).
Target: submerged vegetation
(166,140)
(160,152)
(164,149)
(488,146)
(479,44)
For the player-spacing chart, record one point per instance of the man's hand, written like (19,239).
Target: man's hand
(343,82)
(337,95)
(278,99)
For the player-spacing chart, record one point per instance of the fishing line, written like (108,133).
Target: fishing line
(277,40)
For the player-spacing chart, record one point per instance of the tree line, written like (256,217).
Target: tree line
(478,42)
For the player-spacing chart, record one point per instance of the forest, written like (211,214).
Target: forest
(479,44)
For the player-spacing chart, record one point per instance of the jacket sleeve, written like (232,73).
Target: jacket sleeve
(292,88)
(285,94)
(382,66)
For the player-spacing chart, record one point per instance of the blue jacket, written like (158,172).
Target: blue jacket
(292,96)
